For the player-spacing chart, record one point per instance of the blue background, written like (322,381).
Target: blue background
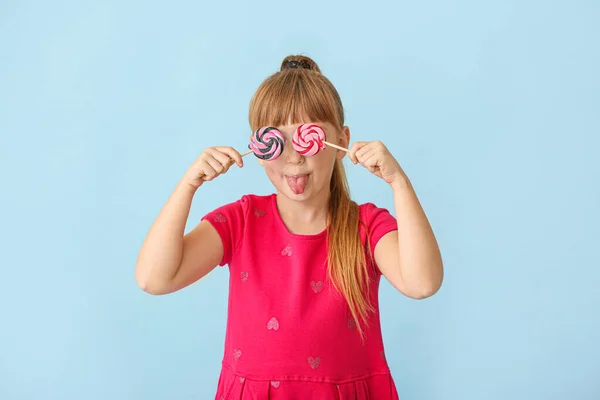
(492,108)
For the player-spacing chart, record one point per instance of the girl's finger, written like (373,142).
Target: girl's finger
(209,171)
(233,155)
(354,149)
(223,158)
(367,156)
(215,164)
(363,150)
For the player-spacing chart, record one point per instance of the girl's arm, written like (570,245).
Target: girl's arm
(410,257)
(168,260)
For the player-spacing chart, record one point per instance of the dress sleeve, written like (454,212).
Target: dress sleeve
(229,221)
(379,222)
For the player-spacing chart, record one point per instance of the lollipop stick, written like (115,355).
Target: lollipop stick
(335,146)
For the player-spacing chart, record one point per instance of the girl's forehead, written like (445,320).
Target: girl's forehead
(291,128)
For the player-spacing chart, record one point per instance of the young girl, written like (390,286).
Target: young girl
(305,263)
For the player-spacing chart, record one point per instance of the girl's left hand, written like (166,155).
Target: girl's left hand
(377,159)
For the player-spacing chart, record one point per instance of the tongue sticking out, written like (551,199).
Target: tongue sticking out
(297,183)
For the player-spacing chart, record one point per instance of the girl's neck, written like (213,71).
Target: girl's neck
(304,217)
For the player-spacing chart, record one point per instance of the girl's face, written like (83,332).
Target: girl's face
(301,178)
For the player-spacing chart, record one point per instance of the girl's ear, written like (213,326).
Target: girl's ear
(343,141)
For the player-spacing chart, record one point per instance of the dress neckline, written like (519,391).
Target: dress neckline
(273,201)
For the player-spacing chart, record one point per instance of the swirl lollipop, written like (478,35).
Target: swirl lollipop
(267,143)
(309,139)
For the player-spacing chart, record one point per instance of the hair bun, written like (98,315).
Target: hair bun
(299,62)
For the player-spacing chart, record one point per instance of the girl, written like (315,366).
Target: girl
(305,263)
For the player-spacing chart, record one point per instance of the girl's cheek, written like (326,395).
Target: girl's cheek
(273,166)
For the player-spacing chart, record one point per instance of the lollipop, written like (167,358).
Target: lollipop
(267,143)
(309,139)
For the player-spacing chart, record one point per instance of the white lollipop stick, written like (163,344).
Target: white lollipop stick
(335,146)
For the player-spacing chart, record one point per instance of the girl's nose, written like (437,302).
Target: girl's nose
(291,155)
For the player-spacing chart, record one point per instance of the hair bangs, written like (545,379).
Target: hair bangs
(293,97)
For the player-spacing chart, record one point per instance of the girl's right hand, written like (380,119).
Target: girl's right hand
(213,162)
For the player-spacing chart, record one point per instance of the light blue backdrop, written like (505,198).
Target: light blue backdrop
(492,108)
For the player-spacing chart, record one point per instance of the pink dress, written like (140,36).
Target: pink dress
(290,334)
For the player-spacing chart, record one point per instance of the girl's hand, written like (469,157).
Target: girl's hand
(213,162)
(378,160)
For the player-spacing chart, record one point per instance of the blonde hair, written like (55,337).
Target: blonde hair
(300,91)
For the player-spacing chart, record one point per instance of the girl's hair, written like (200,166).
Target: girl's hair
(300,93)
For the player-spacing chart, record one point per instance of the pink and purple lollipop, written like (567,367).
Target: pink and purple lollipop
(267,143)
